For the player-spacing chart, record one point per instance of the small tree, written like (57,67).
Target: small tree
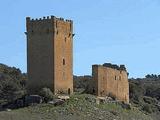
(147,108)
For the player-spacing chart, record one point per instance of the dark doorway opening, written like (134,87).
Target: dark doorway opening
(69,91)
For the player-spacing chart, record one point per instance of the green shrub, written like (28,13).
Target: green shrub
(152,108)
(47,94)
(12,84)
(147,108)
(150,100)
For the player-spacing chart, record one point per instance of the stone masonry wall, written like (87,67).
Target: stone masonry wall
(111,81)
(49,54)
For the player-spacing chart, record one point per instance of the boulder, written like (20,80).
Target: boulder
(56,102)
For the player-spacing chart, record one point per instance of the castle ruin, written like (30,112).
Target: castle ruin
(50,61)
(50,54)
(110,80)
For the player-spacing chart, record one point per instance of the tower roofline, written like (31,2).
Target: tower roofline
(113,66)
(29,19)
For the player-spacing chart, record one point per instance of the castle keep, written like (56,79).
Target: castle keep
(111,80)
(50,54)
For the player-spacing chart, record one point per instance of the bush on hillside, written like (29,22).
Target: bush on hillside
(47,94)
(136,91)
(150,100)
(147,108)
(12,84)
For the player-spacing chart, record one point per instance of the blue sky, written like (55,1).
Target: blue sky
(118,31)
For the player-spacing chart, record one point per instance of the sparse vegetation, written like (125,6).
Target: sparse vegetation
(47,94)
(78,107)
(12,84)
(144,97)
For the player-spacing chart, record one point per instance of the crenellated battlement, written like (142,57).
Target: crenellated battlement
(28,19)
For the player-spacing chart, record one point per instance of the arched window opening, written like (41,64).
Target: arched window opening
(63,61)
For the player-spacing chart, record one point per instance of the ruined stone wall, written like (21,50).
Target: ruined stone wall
(49,54)
(110,82)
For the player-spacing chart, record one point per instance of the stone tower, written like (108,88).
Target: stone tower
(50,54)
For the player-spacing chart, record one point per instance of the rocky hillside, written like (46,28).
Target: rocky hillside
(78,107)
(144,92)
(144,99)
